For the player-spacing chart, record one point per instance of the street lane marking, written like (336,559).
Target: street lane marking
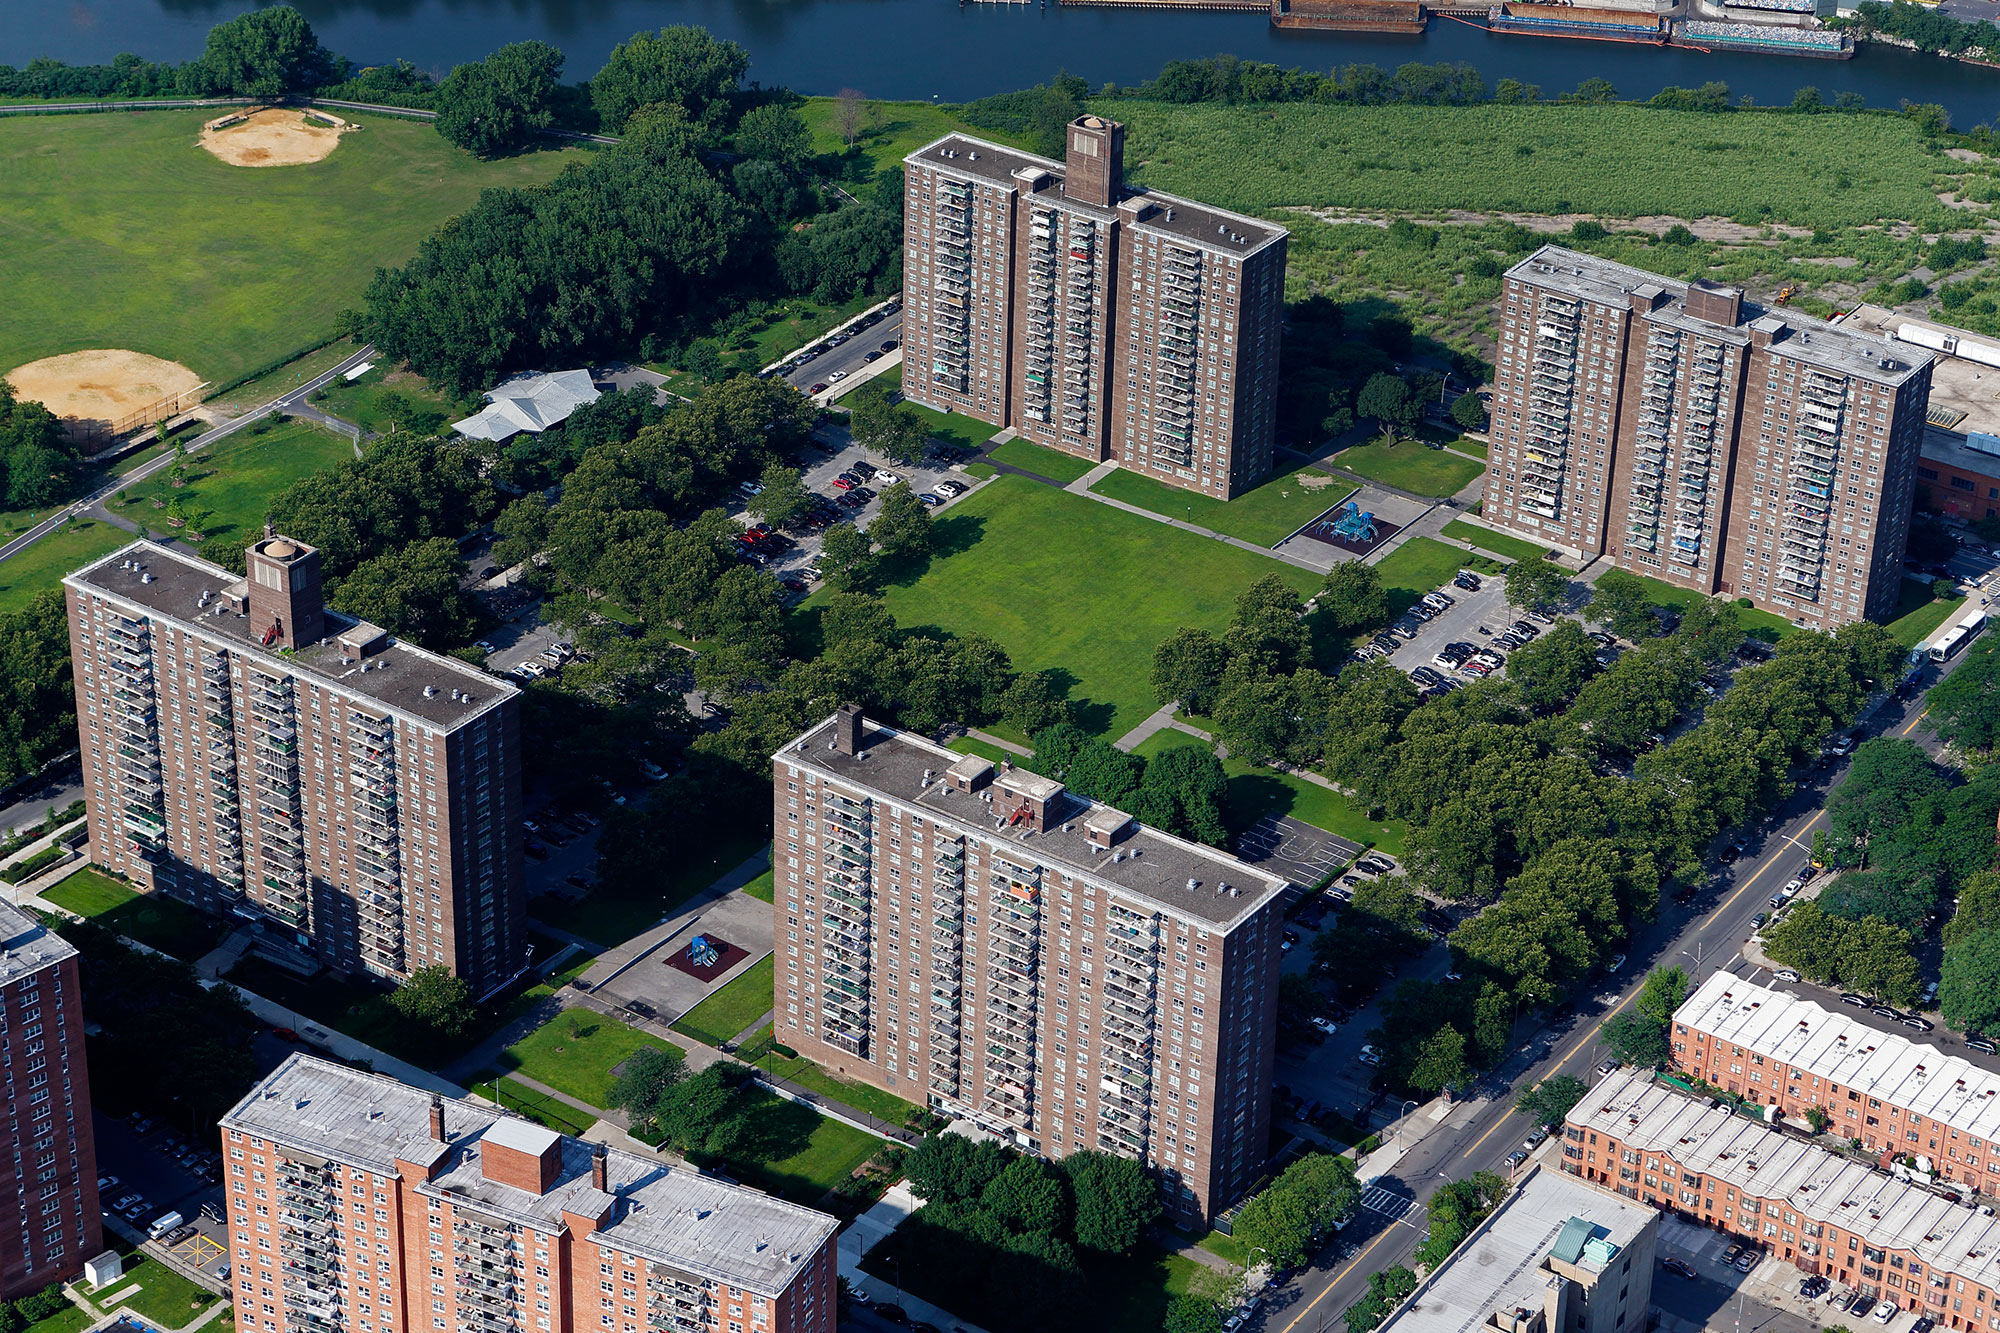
(1913,722)
(1392,1206)
(1560,1061)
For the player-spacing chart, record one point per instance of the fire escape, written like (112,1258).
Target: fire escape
(1079,333)
(1013,955)
(1040,344)
(843,924)
(1700,402)
(677,1302)
(486,1275)
(1178,347)
(1650,442)
(131,727)
(225,813)
(310,1267)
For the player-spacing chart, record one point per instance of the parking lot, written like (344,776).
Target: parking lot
(875,336)
(146,1160)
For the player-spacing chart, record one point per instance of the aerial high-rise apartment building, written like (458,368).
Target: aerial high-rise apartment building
(49,1222)
(1692,436)
(358,1204)
(1018,956)
(355,799)
(1106,322)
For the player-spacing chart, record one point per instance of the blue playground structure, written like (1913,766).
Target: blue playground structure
(1353,524)
(701,953)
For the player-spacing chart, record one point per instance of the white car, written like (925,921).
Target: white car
(1786,974)
(1325,1024)
(836,377)
(535,669)
(1371,1055)
(1885,1314)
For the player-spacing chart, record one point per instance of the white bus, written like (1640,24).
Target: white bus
(1960,634)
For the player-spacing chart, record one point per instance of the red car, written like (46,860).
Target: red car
(842,484)
(818,388)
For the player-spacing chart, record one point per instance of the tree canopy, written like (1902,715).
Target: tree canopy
(496,106)
(680,66)
(264,53)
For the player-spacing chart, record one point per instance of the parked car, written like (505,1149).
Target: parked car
(1849,997)
(1862,1305)
(1370,1055)
(1786,974)
(1983,1046)
(1678,1267)
(1608,1067)
(1920,1024)
(1515,1158)
(1885,1313)
(1325,1024)
(1537,1138)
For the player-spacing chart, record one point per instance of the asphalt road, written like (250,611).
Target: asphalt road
(113,484)
(1478,1136)
(850,356)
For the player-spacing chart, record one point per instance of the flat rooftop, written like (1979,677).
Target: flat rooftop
(671,1214)
(1833,347)
(1500,1265)
(1965,392)
(166,585)
(1829,1188)
(1155,867)
(1847,1052)
(1193,223)
(26,945)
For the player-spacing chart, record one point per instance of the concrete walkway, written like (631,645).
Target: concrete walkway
(1082,485)
(1160,720)
(870,1229)
(1010,747)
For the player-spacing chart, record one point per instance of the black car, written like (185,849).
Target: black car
(893,1313)
(1729,853)
(891,345)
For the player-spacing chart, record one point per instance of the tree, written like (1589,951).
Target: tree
(1468,412)
(1387,400)
(694,1114)
(774,133)
(1620,603)
(1440,1061)
(1188,667)
(414,592)
(1551,1100)
(1536,585)
(846,557)
(1297,1210)
(1662,994)
(850,113)
(1458,1206)
(1268,634)
(1353,597)
(1965,706)
(644,1082)
(680,65)
(784,496)
(37,462)
(1969,983)
(951,1168)
(37,699)
(435,998)
(1386,1290)
(266,53)
(496,106)
(1115,1202)
(1027,1196)
(895,429)
(901,529)
(1549,671)
(1184,792)
(1190,1314)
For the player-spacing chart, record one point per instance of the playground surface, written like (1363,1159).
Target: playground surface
(657,972)
(1350,527)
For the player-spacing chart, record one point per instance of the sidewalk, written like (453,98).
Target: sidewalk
(1162,718)
(870,1229)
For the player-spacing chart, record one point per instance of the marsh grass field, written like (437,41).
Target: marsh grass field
(119,231)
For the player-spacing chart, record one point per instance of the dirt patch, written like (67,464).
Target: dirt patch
(273,137)
(107,389)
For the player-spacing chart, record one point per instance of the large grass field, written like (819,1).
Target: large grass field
(791,1150)
(889,132)
(164,1296)
(1619,161)
(120,232)
(42,566)
(745,1001)
(1410,466)
(1078,587)
(361,401)
(153,919)
(576,1051)
(1267,515)
(236,479)
(1486,539)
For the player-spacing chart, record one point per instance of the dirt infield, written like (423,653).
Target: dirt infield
(272,137)
(103,385)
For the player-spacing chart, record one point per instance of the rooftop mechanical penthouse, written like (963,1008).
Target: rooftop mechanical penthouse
(358,1204)
(980,939)
(355,799)
(1695,437)
(1104,321)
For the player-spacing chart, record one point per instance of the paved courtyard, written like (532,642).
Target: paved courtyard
(643,969)
(1392,512)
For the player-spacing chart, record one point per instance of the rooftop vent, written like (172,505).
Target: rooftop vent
(1193,884)
(430,691)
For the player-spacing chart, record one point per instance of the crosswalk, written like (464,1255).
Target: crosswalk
(1378,1200)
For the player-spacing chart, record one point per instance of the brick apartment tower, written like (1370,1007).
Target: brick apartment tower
(1011,954)
(1109,323)
(48,1153)
(358,1204)
(1694,437)
(354,799)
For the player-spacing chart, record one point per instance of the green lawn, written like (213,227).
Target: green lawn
(42,566)
(610,918)
(1267,515)
(1409,466)
(984,749)
(1074,586)
(889,132)
(360,401)
(122,232)
(1041,460)
(1917,614)
(235,479)
(277,383)
(861,1096)
(981,471)
(166,1298)
(763,888)
(1421,564)
(575,1052)
(955,428)
(539,1107)
(791,1150)
(1764,624)
(74,1319)
(1256,791)
(1513,548)
(745,1001)
(153,919)
(1226,1247)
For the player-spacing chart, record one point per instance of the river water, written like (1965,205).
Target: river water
(939,49)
